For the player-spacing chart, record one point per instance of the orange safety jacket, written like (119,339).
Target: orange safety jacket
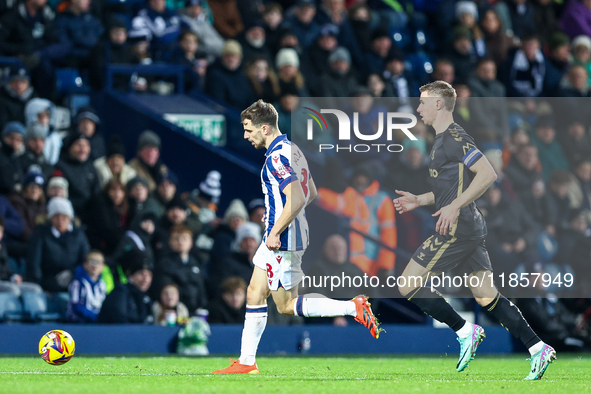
(371,212)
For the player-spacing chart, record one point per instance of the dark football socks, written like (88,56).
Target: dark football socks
(434,305)
(511,318)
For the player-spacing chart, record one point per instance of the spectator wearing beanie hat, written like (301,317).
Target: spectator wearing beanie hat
(287,63)
(176,213)
(56,248)
(238,262)
(339,81)
(30,204)
(147,162)
(314,60)
(227,83)
(58,187)
(158,201)
(225,234)
(35,137)
(79,170)
(113,164)
(137,194)
(581,48)
(11,172)
(211,188)
(130,303)
(87,123)
(15,94)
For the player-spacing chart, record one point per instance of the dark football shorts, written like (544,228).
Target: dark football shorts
(443,253)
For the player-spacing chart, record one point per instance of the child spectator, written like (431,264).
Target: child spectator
(169,311)
(137,193)
(9,281)
(231,306)
(87,290)
(183,269)
(57,187)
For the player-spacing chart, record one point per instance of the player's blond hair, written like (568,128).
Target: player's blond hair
(261,113)
(444,90)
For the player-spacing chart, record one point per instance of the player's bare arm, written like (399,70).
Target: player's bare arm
(485,176)
(313,191)
(409,201)
(294,203)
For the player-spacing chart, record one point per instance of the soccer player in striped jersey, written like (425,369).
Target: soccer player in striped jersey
(288,187)
(459,174)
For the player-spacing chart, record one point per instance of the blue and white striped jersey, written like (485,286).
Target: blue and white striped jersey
(285,163)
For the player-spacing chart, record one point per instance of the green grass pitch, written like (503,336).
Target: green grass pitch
(401,374)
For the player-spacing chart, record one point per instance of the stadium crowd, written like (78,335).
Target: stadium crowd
(75,217)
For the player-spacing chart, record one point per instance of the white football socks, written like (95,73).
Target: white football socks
(254,326)
(465,331)
(536,348)
(317,305)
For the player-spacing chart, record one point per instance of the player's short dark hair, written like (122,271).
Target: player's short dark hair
(261,113)
(233,283)
(444,90)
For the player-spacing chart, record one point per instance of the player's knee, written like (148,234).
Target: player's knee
(285,308)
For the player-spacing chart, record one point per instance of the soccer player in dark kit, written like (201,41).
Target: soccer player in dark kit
(459,174)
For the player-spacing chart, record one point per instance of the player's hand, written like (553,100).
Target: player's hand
(447,217)
(406,203)
(273,242)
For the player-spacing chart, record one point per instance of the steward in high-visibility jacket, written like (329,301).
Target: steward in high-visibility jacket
(371,212)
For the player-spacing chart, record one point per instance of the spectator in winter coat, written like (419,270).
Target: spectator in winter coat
(11,173)
(9,281)
(13,223)
(227,82)
(130,303)
(238,262)
(14,95)
(263,80)
(30,204)
(523,171)
(176,213)
(57,187)
(161,25)
(412,171)
(525,69)
(253,41)
(112,166)
(184,270)
(193,17)
(87,290)
(159,198)
(187,53)
(168,310)
(225,234)
(137,192)
(549,150)
(42,111)
(108,218)
(76,167)
(522,17)
(315,58)
(230,306)
(86,123)
(56,248)
(35,137)
(302,22)
(287,63)
(77,26)
(557,63)
(340,80)
(497,41)
(147,162)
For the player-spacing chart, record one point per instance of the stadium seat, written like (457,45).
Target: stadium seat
(58,303)
(10,307)
(67,80)
(35,307)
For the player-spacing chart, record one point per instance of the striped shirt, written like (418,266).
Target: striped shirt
(284,164)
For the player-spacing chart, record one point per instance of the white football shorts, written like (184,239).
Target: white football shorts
(284,268)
